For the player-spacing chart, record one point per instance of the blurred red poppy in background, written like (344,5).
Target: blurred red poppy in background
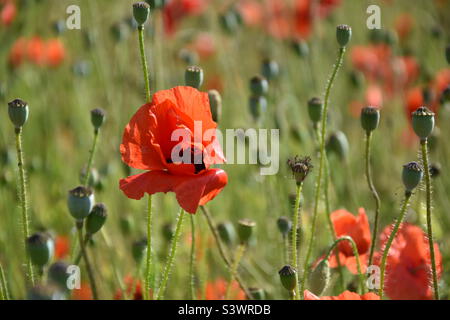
(346,224)
(84,293)
(346,295)
(133,286)
(54,52)
(176,10)
(62,247)
(408,264)
(147,144)
(8,13)
(37,51)
(216,290)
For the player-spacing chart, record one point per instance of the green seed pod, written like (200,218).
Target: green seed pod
(258,106)
(319,278)
(259,86)
(230,21)
(156,4)
(284,225)
(96,219)
(447,54)
(301,48)
(193,76)
(356,78)
(270,69)
(188,56)
(57,274)
(370,118)
(139,249)
(423,122)
(119,31)
(80,202)
(18,112)
(343,34)
(412,175)
(141,11)
(245,229)
(288,277)
(97,117)
(315,109)
(40,247)
(227,233)
(215,103)
(337,143)
(257,293)
(167,231)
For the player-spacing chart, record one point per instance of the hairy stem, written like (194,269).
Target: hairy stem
(192,262)
(86,260)
(295,223)
(4,292)
(237,259)
(148,261)
(91,159)
(144,63)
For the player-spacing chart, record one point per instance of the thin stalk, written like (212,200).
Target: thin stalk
(426,168)
(148,261)
(86,260)
(222,251)
(24,202)
(91,158)
(390,240)
(171,257)
(375,196)
(355,253)
(192,262)
(295,223)
(321,163)
(144,63)
(237,259)
(86,241)
(4,292)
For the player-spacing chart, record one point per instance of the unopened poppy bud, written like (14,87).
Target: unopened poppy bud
(300,167)
(156,4)
(288,277)
(97,117)
(141,11)
(257,293)
(423,122)
(138,249)
(96,219)
(301,48)
(215,103)
(284,225)
(245,229)
(259,86)
(227,233)
(258,105)
(319,278)
(338,144)
(80,202)
(343,34)
(167,231)
(315,109)
(370,118)
(447,54)
(18,112)
(412,175)
(57,274)
(193,76)
(40,247)
(270,69)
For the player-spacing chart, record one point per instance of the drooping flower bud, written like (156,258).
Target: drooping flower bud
(370,118)
(258,106)
(270,69)
(319,277)
(40,247)
(96,219)
(193,77)
(300,167)
(57,274)
(257,293)
(138,249)
(343,34)
(423,122)
(259,86)
(18,112)
(97,117)
(315,109)
(284,225)
(215,103)
(245,229)
(337,143)
(80,202)
(288,277)
(227,233)
(411,176)
(141,11)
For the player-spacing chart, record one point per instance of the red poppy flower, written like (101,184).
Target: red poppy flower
(216,290)
(84,293)
(130,284)
(17,54)
(251,11)
(54,52)
(176,10)
(346,224)
(148,145)
(346,295)
(62,247)
(408,264)
(8,13)
(36,50)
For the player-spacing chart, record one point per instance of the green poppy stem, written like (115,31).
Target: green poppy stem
(90,273)
(237,259)
(144,63)
(91,158)
(375,195)
(171,257)
(390,240)
(192,262)
(4,292)
(149,256)
(426,168)
(295,224)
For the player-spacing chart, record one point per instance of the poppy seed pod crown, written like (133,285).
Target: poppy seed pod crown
(412,175)
(40,248)
(423,122)
(18,112)
(370,118)
(315,109)
(141,11)
(245,229)
(193,77)
(80,201)
(343,34)
(288,277)
(97,117)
